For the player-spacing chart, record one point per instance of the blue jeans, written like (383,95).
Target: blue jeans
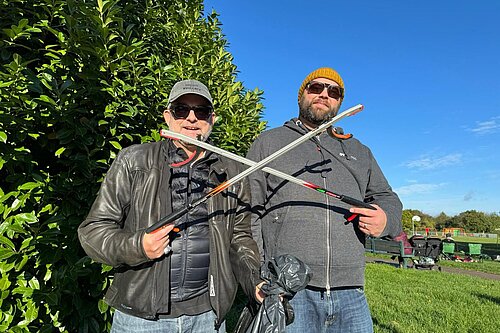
(202,323)
(343,311)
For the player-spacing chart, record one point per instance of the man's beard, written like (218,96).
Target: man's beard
(310,113)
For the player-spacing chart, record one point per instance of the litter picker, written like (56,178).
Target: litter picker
(344,198)
(257,166)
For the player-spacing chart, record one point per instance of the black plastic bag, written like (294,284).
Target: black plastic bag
(285,276)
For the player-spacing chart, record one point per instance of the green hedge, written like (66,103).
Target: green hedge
(79,80)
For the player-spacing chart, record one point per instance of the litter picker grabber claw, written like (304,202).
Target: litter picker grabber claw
(257,166)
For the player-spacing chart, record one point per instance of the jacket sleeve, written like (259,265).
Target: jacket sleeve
(380,192)
(244,252)
(102,234)
(258,187)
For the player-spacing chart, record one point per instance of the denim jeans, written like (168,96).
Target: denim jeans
(343,311)
(202,323)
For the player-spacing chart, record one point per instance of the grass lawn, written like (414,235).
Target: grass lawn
(409,300)
(468,239)
(487,266)
(414,301)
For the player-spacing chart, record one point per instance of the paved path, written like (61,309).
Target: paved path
(484,275)
(441,268)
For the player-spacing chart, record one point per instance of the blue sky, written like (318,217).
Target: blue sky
(427,72)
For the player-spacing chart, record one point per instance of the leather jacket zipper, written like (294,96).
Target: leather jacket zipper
(212,273)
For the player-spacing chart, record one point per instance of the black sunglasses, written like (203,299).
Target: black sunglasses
(335,92)
(181,111)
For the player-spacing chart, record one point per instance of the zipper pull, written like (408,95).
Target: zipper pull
(212,286)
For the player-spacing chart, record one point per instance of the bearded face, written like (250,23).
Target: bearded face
(314,110)
(320,101)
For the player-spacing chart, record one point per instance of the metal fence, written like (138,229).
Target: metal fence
(443,234)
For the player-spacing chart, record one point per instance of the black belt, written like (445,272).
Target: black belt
(322,289)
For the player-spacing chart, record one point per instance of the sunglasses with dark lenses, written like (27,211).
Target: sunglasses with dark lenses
(335,92)
(181,111)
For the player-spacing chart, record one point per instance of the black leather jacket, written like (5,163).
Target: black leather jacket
(133,196)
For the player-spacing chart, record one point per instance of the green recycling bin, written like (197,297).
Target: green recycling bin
(474,249)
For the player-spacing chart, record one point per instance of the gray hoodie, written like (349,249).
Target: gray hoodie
(290,219)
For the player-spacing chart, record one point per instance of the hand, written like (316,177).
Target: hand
(371,222)
(259,294)
(155,243)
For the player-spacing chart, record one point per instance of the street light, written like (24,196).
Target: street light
(414,219)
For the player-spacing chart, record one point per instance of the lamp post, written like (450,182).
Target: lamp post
(414,219)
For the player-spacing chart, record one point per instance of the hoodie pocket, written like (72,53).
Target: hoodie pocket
(272,229)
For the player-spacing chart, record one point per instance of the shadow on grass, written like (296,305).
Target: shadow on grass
(383,261)
(386,327)
(490,298)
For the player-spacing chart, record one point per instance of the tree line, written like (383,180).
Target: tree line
(471,221)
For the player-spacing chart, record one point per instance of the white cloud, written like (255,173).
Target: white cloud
(417,189)
(427,163)
(487,127)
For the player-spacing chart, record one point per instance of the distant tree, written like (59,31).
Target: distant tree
(441,220)
(79,80)
(495,222)
(426,221)
(473,221)
(406,219)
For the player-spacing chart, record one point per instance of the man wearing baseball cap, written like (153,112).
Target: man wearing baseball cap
(314,227)
(174,280)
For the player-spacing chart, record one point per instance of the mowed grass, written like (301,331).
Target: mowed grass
(415,301)
(487,266)
(469,239)
(410,300)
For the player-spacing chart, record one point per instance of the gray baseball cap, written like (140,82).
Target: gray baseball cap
(189,87)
